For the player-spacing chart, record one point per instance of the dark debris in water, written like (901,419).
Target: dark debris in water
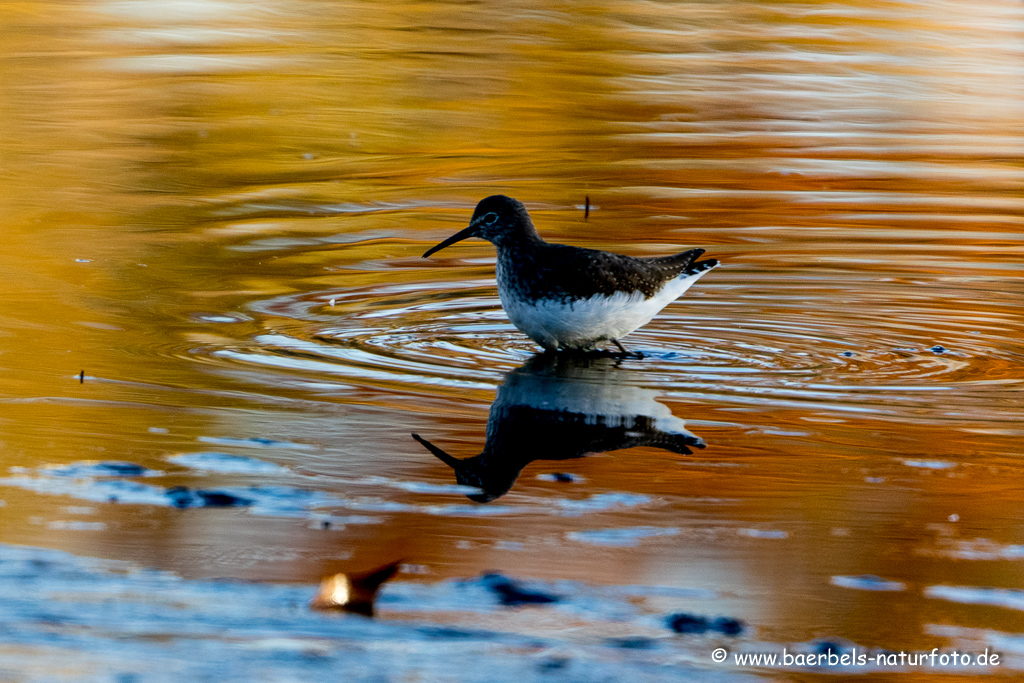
(938,349)
(560,477)
(728,626)
(184,497)
(691,624)
(511,593)
(124,469)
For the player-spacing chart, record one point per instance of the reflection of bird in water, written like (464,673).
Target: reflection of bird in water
(561,407)
(565,297)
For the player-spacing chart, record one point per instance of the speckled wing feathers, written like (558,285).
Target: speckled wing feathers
(556,271)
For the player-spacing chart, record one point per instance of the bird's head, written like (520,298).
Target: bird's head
(496,219)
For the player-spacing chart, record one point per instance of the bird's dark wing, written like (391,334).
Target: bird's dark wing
(557,271)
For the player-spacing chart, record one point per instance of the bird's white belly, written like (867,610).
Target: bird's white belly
(582,323)
(579,323)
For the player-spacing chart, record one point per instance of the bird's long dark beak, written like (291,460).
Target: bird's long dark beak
(441,455)
(457,237)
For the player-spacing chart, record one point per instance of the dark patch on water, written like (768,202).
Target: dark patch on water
(560,477)
(728,626)
(449,633)
(634,643)
(691,624)
(513,594)
(184,497)
(554,664)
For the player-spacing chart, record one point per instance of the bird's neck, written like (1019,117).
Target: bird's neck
(523,239)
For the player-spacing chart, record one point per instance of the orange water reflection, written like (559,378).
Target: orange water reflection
(187,189)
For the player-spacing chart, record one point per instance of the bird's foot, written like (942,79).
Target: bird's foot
(623,353)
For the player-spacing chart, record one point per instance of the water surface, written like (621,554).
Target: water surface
(215,212)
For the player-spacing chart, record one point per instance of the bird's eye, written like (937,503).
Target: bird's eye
(491,218)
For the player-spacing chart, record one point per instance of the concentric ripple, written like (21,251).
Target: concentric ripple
(414,334)
(794,349)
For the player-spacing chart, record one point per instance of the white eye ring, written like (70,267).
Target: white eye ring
(491,218)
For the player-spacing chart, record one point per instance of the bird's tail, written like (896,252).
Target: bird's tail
(685,262)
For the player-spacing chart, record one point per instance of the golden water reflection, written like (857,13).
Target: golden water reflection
(216,210)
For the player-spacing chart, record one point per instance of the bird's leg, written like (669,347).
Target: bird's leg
(625,353)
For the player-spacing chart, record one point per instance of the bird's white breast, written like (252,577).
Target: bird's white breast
(581,323)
